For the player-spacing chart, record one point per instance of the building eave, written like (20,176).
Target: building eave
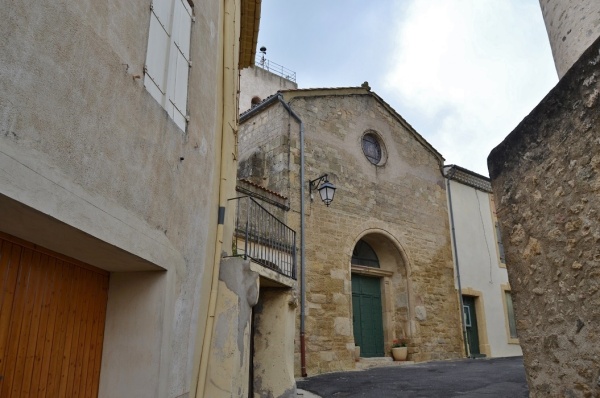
(250,23)
(467,177)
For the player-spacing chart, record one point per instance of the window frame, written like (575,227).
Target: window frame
(373,138)
(505,289)
(368,257)
(500,252)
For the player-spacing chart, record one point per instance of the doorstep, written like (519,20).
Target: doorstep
(378,362)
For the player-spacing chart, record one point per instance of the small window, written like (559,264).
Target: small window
(500,245)
(372,148)
(168,56)
(512,325)
(363,254)
(467,314)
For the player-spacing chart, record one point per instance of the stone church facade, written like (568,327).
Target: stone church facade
(378,260)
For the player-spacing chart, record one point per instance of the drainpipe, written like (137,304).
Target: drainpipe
(302,261)
(462,317)
(223,180)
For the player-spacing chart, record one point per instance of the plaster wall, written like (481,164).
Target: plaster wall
(98,171)
(258,82)
(274,322)
(402,203)
(572,27)
(230,353)
(480,267)
(546,181)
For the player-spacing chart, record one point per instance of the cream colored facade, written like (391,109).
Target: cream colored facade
(94,168)
(397,206)
(572,27)
(258,83)
(479,261)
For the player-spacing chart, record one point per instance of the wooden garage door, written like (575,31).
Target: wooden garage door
(52,313)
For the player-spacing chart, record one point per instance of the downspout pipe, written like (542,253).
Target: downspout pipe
(302,246)
(226,169)
(448,177)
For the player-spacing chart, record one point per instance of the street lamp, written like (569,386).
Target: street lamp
(326,189)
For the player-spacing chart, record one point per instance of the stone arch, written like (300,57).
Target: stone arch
(389,236)
(394,273)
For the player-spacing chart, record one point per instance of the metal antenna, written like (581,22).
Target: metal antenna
(263,51)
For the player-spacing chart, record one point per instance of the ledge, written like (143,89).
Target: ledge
(370,271)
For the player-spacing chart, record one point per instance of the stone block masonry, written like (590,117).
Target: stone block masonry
(546,180)
(398,207)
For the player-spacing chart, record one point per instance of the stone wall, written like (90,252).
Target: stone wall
(546,181)
(572,26)
(400,207)
(264,151)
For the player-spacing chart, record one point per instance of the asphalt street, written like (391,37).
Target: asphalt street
(465,378)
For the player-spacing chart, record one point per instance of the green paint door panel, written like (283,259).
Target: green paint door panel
(471,325)
(367,315)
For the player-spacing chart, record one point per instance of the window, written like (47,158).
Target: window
(500,245)
(363,254)
(372,148)
(168,57)
(467,315)
(512,325)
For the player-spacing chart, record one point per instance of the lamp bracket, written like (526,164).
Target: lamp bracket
(314,184)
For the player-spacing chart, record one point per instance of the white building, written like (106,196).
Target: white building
(480,268)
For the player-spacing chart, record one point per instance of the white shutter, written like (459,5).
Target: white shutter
(162,11)
(181,84)
(179,61)
(182,27)
(168,56)
(156,59)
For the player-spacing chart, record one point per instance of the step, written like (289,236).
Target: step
(368,363)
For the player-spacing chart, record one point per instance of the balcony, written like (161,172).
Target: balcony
(263,238)
(275,68)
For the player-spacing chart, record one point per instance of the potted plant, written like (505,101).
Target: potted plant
(399,350)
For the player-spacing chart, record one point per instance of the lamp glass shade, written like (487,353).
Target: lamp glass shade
(327,190)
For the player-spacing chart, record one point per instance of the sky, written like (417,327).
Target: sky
(463,73)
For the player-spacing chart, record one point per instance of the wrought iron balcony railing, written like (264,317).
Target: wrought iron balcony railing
(263,238)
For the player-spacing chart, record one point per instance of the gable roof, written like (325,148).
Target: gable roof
(288,95)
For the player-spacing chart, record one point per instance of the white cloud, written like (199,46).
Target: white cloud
(471,70)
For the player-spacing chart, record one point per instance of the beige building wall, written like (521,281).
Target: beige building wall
(93,168)
(482,274)
(260,83)
(572,27)
(398,207)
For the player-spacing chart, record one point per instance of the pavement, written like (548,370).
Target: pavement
(306,394)
(465,378)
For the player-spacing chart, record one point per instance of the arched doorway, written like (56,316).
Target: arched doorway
(367,313)
(380,293)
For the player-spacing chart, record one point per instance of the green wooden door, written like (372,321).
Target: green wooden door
(367,315)
(471,325)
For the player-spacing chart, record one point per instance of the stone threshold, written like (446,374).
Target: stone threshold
(368,363)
